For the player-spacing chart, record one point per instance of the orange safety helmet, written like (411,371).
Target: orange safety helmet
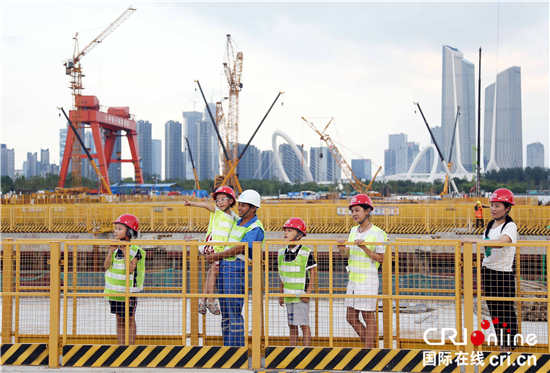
(226,190)
(298,224)
(128,220)
(361,199)
(503,195)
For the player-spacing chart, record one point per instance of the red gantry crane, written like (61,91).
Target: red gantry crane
(74,69)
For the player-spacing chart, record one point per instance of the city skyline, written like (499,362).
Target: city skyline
(326,71)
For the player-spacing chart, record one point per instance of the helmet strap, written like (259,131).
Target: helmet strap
(505,214)
(298,236)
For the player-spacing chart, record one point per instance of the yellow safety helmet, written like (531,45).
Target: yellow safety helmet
(478,202)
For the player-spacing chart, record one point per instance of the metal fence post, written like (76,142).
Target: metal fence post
(468,301)
(55,289)
(194,289)
(7,286)
(257,305)
(387,303)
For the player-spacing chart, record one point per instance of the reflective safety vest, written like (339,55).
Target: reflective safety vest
(238,232)
(293,274)
(219,228)
(479,212)
(360,265)
(115,277)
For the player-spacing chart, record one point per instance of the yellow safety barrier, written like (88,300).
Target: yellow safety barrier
(320,218)
(53,305)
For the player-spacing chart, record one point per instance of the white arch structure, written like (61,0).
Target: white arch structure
(282,174)
(417,159)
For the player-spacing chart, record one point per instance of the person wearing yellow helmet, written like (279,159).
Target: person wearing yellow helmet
(478,208)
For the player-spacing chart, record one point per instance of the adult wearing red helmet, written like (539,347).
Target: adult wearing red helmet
(497,274)
(363,264)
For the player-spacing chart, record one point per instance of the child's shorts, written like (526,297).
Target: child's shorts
(366,288)
(298,313)
(119,307)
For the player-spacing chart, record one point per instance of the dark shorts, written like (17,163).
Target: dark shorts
(119,307)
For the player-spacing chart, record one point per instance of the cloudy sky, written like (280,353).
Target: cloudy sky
(362,63)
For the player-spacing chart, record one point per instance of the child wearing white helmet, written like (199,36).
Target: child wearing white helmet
(222,220)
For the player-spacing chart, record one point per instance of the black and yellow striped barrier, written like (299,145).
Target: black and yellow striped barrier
(384,360)
(24,354)
(155,356)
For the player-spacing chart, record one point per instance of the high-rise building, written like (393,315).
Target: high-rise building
(157,157)
(25,170)
(291,164)
(86,168)
(362,168)
(395,157)
(268,166)
(203,141)
(32,164)
(413,148)
(323,165)
(44,162)
(458,89)
(62,141)
(115,169)
(535,155)
(8,162)
(173,156)
(438,135)
(249,166)
(192,132)
(144,131)
(507,147)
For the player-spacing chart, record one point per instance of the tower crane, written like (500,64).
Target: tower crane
(74,69)
(346,169)
(229,129)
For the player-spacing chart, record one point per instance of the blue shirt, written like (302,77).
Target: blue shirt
(255,235)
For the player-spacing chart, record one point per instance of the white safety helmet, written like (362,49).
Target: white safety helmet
(251,197)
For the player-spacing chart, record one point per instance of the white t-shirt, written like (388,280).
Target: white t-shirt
(502,259)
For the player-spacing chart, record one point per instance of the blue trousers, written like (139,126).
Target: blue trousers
(231,281)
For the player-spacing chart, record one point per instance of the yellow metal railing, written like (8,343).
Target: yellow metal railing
(320,218)
(425,272)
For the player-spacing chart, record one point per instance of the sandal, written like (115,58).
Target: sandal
(214,308)
(202,308)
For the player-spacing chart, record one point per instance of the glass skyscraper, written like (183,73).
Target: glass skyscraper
(458,89)
(507,148)
(173,156)
(145,147)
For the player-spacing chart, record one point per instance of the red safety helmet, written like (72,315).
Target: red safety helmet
(361,199)
(128,220)
(298,224)
(226,190)
(503,195)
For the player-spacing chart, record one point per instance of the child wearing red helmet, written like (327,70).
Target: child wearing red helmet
(126,228)
(363,264)
(297,273)
(219,227)
(497,273)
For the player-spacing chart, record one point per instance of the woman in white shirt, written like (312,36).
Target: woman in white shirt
(498,278)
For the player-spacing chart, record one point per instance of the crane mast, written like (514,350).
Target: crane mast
(233,69)
(73,68)
(346,169)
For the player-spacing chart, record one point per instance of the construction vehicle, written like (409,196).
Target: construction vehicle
(354,181)
(73,68)
(449,178)
(193,164)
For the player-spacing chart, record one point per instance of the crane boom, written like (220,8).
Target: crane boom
(233,69)
(346,169)
(105,33)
